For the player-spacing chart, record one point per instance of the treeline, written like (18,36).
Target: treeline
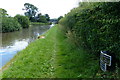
(34,15)
(10,24)
(95,27)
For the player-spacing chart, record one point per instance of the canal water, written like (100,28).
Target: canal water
(13,42)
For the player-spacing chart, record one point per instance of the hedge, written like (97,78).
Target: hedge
(95,27)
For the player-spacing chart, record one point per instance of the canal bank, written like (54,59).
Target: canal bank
(14,42)
(33,57)
(53,57)
(50,57)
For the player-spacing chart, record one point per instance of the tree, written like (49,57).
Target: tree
(47,17)
(42,19)
(23,20)
(31,10)
(59,19)
(3,12)
(9,24)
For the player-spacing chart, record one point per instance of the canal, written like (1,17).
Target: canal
(14,42)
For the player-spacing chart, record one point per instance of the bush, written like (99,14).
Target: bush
(23,20)
(42,19)
(9,24)
(94,26)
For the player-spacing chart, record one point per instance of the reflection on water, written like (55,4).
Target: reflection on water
(15,41)
(8,52)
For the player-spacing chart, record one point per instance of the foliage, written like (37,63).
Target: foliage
(23,20)
(31,10)
(3,12)
(95,27)
(9,24)
(47,17)
(42,19)
(59,18)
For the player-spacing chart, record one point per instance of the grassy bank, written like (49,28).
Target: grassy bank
(53,57)
(35,60)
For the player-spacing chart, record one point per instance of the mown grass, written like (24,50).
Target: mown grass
(53,57)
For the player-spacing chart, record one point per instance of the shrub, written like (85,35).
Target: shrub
(23,20)
(9,24)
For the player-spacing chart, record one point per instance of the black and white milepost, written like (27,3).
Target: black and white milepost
(105,60)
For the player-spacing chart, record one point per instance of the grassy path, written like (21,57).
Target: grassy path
(52,57)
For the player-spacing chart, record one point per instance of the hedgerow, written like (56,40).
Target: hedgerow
(95,27)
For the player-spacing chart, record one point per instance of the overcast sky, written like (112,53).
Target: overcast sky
(54,8)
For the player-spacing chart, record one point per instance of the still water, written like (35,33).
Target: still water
(13,42)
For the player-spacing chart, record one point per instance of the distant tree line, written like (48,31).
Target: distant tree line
(10,24)
(33,14)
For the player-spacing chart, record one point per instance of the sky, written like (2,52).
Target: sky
(54,8)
